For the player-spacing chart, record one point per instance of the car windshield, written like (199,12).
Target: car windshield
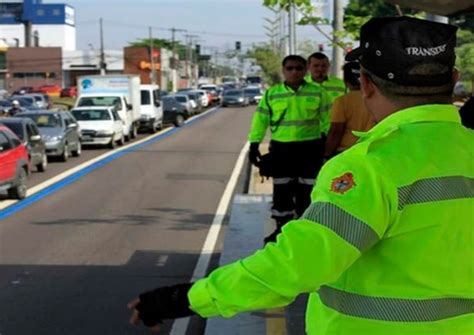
(16,127)
(100,101)
(45,120)
(252,91)
(145,97)
(181,98)
(91,115)
(233,93)
(37,98)
(5,103)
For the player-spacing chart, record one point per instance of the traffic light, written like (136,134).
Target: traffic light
(198,49)
(238,46)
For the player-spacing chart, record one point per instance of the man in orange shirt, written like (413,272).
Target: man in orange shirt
(348,114)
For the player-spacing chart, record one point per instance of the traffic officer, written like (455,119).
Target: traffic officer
(293,112)
(318,74)
(16,108)
(386,245)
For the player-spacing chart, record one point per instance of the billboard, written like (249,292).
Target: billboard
(11,10)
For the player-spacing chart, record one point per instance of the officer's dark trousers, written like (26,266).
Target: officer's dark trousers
(295,166)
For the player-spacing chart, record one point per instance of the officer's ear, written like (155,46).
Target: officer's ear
(367,85)
(456,76)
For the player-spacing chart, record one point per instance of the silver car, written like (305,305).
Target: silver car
(60,132)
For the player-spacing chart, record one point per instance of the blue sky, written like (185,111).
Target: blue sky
(218,23)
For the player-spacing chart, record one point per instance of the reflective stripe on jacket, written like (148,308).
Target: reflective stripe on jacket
(292,116)
(386,245)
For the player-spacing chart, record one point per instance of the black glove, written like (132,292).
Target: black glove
(164,303)
(254,154)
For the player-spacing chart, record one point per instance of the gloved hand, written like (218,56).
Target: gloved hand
(254,154)
(154,306)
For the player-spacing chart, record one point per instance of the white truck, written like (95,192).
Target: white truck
(119,91)
(151,110)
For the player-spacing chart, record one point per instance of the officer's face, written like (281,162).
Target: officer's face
(294,72)
(319,69)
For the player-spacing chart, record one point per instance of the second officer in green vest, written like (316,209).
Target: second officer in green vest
(294,112)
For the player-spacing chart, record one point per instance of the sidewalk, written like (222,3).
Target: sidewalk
(249,223)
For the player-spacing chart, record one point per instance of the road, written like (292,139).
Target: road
(71,261)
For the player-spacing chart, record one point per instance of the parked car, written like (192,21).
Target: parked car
(173,111)
(14,166)
(203,97)
(60,132)
(100,125)
(25,129)
(69,92)
(184,100)
(30,100)
(41,100)
(52,90)
(234,98)
(24,90)
(254,94)
(195,101)
(212,89)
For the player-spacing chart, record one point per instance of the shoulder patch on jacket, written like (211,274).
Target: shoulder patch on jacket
(343,183)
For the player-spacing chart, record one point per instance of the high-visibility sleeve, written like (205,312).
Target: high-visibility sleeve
(325,111)
(311,251)
(260,121)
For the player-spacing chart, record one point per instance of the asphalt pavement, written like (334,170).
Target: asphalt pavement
(73,258)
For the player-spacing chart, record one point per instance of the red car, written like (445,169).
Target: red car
(14,165)
(52,90)
(69,92)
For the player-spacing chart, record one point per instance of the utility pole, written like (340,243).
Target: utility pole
(290,28)
(152,58)
(173,47)
(293,16)
(103,65)
(337,50)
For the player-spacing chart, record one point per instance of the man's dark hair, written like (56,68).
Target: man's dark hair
(351,72)
(317,55)
(416,95)
(296,58)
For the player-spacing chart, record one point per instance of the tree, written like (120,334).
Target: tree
(164,44)
(269,61)
(465,57)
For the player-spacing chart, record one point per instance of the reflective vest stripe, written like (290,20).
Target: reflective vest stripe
(394,309)
(276,213)
(299,123)
(344,224)
(308,94)
(326,108)
(334,88)
(306,181)
(282,181)
(262,110)
(279,96)
(435,189)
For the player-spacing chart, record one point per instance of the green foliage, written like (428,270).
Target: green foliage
(359,12)
(269,61)
(465,54)
(285,4)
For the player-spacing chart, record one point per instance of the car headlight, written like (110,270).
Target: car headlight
(105,132)
(241,99)
(53,138)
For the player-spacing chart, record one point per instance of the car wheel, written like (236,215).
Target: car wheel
(153,128)
(65,155)
(179,120)
(78,151)
(112,143)
(41,167)
(122,140)
(19,190)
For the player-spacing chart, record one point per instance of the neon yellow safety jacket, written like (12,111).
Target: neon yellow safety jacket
(292,116)
(334,86)
(387,245)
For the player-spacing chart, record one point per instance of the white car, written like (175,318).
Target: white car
(203,96)
(100,126)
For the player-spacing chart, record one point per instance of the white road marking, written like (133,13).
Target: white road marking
(180,325)
(162,260)
(65,174)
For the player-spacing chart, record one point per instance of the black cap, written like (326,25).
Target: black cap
(391,46)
